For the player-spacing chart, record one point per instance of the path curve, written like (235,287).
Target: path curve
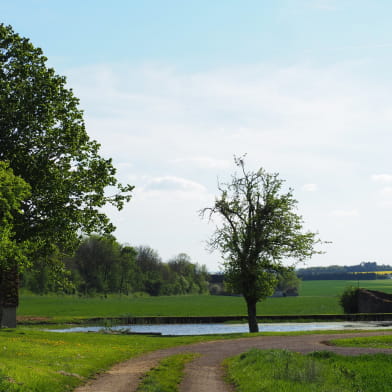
(205,373)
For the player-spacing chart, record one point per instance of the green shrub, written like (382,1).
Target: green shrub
(349,300)
(7,384)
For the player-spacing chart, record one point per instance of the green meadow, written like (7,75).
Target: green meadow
(285,371)
(38,361)
(315,297)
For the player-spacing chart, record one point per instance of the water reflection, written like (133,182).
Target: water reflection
(208,329)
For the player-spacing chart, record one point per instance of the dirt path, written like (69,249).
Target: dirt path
(205,373)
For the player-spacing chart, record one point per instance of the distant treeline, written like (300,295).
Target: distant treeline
(362,271)
(101,266)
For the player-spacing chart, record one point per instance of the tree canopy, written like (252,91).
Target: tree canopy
(43,137)
(44,140)
(13,190)
(259,229)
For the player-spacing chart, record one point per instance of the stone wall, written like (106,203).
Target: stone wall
(370,301)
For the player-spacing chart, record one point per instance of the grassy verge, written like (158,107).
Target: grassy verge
(36,361)
(284,371)
(167,375)
(372,342)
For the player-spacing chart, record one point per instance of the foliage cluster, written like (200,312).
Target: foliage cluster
(281,371)
(13,191)
(259,228)
(287,283)
(167,375)
(349,300)
(55,187)
(101,266)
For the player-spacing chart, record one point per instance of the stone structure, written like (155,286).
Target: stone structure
(370,301)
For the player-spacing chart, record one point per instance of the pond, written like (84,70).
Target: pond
(208,329)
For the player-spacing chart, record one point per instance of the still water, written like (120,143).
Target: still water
(208,329)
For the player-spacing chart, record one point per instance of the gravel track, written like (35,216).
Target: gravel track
(206,373)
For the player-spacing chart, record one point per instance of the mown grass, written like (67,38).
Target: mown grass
(333,288)
(284,371)
(167,375)
(37,361)
(64,308)
(316,297)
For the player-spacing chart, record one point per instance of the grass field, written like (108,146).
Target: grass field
(37,361)
(316,297)
(284,371)
(373,342)
(65,308)
(167,375)
(332,288)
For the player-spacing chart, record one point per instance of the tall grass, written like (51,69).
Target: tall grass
(284,371)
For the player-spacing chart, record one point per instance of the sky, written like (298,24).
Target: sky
(173,90)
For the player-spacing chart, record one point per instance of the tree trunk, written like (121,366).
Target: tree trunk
(252,319)
(9,295)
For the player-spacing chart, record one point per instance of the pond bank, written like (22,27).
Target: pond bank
(242,318)
(222,328)
(208,319)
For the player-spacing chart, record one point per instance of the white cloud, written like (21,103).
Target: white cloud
(382,178)
(270,113)
(385,197)
(172,183)
(204,162)
(172,134)
(345,213)
(386,191)
(172,187)
(310,187)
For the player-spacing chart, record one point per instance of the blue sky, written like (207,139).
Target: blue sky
(173,89)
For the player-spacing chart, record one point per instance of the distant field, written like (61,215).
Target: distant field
(199,305)
(316,297)
(336,287)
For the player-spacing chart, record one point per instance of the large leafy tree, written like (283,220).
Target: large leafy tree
(258,230)
(43,137)
(13,190)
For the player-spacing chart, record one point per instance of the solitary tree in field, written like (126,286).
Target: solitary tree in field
(259,228)
(44,141)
